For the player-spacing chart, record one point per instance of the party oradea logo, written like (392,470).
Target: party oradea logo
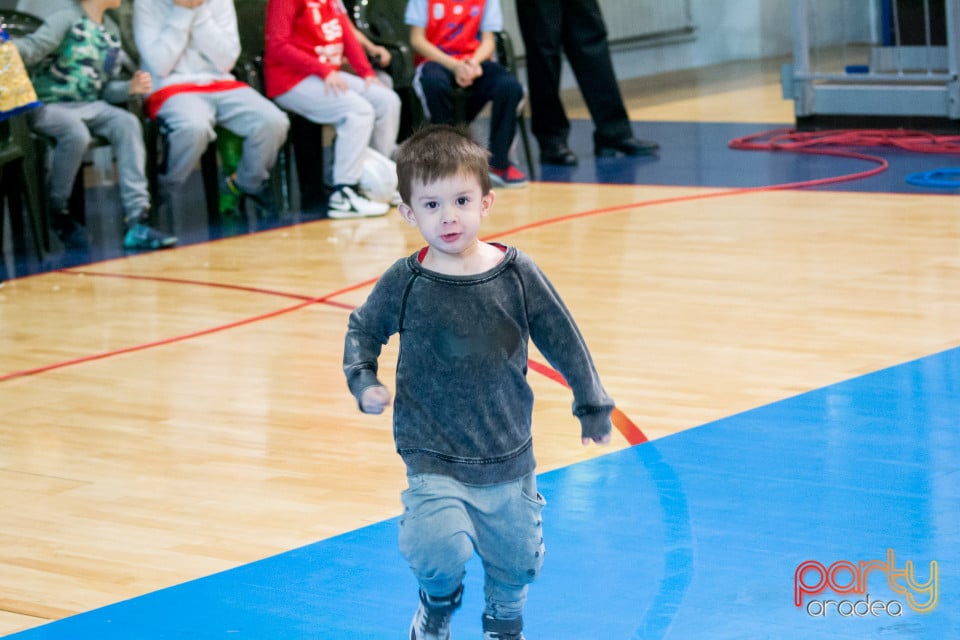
(813,582)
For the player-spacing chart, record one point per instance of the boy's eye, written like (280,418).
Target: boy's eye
(430,205)
(462,200)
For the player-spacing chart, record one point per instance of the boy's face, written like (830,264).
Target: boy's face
(448,212)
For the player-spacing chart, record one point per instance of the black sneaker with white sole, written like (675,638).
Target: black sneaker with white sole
(432,618)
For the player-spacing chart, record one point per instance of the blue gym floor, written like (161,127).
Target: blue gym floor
(693,536)
(696,535)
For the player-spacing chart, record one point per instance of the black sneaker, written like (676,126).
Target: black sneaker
(262,199)
(432,619)
(494,629)
(70,233)
(627,146)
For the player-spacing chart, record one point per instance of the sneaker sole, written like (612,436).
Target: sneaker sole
(508,185)
(336,214)
(497,181)
(166,244)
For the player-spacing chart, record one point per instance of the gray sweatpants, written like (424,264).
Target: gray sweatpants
(366,115)
(72,125)
(188,120)
(444,521)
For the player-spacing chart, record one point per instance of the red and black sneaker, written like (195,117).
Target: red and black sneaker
(510,177)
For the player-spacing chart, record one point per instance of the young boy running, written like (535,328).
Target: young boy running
(465,311)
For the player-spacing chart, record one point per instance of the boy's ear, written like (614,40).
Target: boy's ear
(486,203)
(407,214)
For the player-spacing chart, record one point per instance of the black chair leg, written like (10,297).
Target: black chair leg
(211,183)
(307,139)
(525,138)
(77,204)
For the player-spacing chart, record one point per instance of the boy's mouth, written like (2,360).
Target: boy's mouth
(450,237)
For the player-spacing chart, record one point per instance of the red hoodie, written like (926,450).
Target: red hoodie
(308,37)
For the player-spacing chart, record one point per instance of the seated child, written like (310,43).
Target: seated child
(454,42)
(74,58)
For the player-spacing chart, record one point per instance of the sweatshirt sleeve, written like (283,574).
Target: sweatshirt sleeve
(279,47)
(370,327)
(162,39)
(36,46)
(555,333)
(117,89)
(215,34)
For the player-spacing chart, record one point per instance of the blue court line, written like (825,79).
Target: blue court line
(696,535)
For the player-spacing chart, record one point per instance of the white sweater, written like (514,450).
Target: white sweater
(179,45)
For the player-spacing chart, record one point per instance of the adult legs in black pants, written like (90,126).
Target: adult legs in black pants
(576,28)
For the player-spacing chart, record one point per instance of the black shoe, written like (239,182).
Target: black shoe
(558,154)
(262,199)
(70,233)
(626,146)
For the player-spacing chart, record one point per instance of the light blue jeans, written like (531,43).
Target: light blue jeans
(445,521)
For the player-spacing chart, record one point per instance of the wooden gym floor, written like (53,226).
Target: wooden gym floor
(179,456)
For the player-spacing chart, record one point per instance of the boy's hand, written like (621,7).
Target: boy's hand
(467,71)
(188,4)
(335,83)
(604,440)
(374,399)
(381,55)
(140,84)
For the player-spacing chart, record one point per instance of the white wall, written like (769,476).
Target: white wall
(728,30)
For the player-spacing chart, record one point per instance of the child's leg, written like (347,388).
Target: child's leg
(351,115)
(123,130)
(63,122)
(497,84)
(186,121)
(263,127)
(434,86)
(510,543)
(386,125)
(436,533)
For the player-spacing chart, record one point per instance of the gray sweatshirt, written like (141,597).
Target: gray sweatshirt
(463,407)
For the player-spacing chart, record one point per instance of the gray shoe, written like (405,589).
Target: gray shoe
(432,619)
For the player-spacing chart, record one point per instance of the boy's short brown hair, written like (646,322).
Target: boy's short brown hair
(439,151)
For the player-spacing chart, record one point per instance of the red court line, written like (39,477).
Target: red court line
(624,425)
(156,343)
(222,285)
(629,430)
(326,299)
